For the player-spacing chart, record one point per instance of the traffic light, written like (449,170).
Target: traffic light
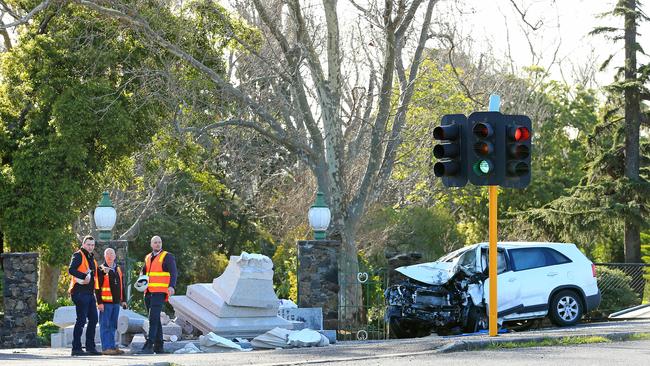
(518,135)
(451,152)
(485,142)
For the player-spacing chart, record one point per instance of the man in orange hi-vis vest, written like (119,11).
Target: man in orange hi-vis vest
(112,295)
(83,289)
(160,266)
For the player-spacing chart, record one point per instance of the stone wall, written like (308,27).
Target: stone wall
(19,293)
(399,260)
(318,282)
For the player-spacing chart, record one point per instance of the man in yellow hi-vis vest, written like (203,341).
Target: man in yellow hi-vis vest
(160,266)
(83,289)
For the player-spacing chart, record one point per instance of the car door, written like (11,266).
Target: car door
(508,284)
(542,270)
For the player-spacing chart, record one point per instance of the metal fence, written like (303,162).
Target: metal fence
(622,285)
(361,304)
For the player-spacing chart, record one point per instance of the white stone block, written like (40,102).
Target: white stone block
(205,295)
(57,340)
(207,322)
(312,317)
(168,329)
(247,283)
(65,316)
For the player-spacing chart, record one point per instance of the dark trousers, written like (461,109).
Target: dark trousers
(154,303)
(84,303)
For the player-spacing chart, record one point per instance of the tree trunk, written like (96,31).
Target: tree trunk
(48,281)
(632,119)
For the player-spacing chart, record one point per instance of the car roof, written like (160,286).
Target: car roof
(515,244)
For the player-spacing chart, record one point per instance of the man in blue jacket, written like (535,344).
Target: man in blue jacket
(83,289)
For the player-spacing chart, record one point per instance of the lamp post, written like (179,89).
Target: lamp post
(319,217)
(105,217)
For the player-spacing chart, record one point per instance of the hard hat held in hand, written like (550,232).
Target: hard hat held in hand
(142,283)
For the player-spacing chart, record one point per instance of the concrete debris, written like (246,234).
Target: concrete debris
(207,322)
(205,295)
(164,318)
(283,338)
(186,326)
(169,329)
(170,338)
(287,304)
(211,340)
(65,316)
(189,348)
(138,342)
(312,317)
(129,321)
(274,338)
(247,281)
(307,338)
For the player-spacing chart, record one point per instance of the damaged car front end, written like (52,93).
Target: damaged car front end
(443,297)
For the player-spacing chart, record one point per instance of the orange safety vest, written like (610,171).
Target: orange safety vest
(158,279)
(107,295)
(83,268)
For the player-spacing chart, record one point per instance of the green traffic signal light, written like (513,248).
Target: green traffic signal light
(482,167)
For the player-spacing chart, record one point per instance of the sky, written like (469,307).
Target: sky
(562,22)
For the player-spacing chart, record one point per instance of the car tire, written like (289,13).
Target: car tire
(566,308)
(477,320)
(400,328)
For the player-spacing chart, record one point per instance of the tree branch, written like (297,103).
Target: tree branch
(40,7)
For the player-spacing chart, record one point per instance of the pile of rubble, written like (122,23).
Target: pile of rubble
(239,303)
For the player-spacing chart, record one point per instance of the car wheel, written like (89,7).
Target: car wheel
(565,308)
(476,320)
(399,328)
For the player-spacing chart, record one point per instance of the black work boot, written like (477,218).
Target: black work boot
(158,348)
(147,349)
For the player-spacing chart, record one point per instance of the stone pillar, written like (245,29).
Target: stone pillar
(399,260)
(19,291)
(318,278)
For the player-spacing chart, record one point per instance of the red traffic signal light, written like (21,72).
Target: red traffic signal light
(518,157)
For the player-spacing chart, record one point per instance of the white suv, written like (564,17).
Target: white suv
(451,294)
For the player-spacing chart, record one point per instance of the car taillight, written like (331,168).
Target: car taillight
(593,270)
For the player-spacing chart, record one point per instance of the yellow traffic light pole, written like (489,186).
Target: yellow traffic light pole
(495,102)
(494,193)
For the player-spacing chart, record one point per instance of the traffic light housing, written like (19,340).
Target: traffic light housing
(451,152)
(518,134)
(485,148)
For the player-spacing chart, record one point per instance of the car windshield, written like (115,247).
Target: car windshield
(455,254)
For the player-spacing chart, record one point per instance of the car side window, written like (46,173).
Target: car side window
(502,263)
(529,258)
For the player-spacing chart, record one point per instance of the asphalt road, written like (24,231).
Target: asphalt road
(633,353)
(428,350)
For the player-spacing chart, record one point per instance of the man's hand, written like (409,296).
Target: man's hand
(171,291)
(100,307)
(124,305)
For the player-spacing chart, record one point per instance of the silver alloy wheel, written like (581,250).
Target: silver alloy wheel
(567,308)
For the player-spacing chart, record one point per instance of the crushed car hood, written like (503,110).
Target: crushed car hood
(432,273)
